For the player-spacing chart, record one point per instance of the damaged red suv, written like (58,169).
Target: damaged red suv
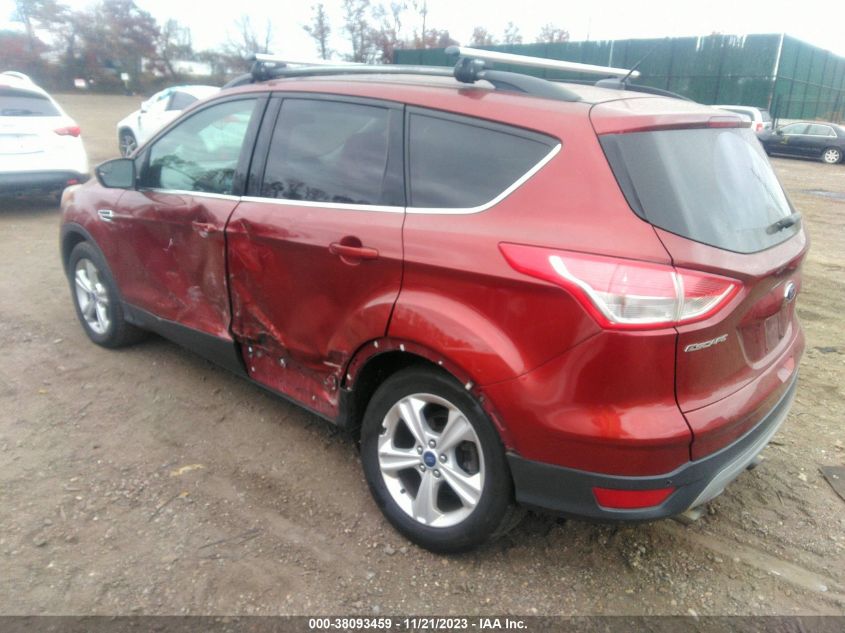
(517,292)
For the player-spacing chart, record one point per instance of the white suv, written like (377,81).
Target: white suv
(760,119)
(155,112)
(40,146)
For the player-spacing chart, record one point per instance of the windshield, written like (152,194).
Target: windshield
(22,103)
(714,186)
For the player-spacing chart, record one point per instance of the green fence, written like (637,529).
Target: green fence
(791,78)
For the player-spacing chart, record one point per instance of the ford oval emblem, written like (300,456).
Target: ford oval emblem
(789,292)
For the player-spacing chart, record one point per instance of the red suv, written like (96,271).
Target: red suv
(518,292)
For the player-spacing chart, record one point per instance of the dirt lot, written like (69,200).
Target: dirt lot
(149,481)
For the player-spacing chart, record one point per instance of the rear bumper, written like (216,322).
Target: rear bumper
(570,492)
(39,181)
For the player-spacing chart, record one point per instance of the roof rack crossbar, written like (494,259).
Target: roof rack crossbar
(538,62)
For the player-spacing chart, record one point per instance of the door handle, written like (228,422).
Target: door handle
(204,228)
(352,252)
(106,215)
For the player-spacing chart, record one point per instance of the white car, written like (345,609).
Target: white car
(40,146)
(155,112)
(760,119)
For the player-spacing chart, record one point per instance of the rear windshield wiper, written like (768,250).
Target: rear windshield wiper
(783,223)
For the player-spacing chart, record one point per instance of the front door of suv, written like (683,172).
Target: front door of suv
(171,259)
(315,248)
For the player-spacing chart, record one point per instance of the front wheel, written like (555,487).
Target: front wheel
(434,462)
(832,155)
(96,299)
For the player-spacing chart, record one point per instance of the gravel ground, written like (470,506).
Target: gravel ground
(148,481)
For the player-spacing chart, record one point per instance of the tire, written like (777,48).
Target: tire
(832,155)
(467,488)
(127,142)
(96,300)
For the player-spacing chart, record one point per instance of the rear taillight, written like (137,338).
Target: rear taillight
(626,294)
(759,127)
(70,130)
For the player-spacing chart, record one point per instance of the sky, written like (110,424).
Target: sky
(814,21)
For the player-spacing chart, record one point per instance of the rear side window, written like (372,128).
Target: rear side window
(23,103)
(180,101)
(713,186)
(820,130)
(328,151)
(460,164)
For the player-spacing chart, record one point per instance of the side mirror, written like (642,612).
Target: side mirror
(779,132)
(117,174)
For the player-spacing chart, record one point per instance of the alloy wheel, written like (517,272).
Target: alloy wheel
(431,460)
(832,156)
(92,296)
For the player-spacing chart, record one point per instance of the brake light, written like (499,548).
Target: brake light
(626,294)
(71,130)
(631,499)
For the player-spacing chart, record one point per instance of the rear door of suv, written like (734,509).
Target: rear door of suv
(717,206)
(315,248)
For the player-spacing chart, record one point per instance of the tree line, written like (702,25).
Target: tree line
(112,39)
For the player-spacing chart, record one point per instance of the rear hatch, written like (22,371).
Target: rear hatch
(30,126)
(702,180)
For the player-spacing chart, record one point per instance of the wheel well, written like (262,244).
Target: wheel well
(125,129)
(69,242)
(372,375)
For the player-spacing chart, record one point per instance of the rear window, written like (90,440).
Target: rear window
(23,103)
(767,118)
(456,163)
(713,186)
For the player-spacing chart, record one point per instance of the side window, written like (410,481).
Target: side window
(460,165)
(821,130)
(795,128)
(202,152)
(158,102)
(328,151)
(180,101)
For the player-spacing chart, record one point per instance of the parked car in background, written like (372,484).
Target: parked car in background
(514,291)
(760,119)
(155,112)
(40,146)
(824,141)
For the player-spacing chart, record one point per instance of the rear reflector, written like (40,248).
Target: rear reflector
(626,294)
(71,130)
(631,499)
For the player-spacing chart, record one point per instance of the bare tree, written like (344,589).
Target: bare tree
(420,7)
(482,37)
(356,24)
(249,40)
(388,37)
(174,43)
(511,35)
(38,13)
(550,34)
(319,29)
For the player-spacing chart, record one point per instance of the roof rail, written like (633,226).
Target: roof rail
(266,67)
(539,62)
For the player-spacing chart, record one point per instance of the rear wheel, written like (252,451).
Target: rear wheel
(435,463)
(127,142)
(832,155)
(96,299)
